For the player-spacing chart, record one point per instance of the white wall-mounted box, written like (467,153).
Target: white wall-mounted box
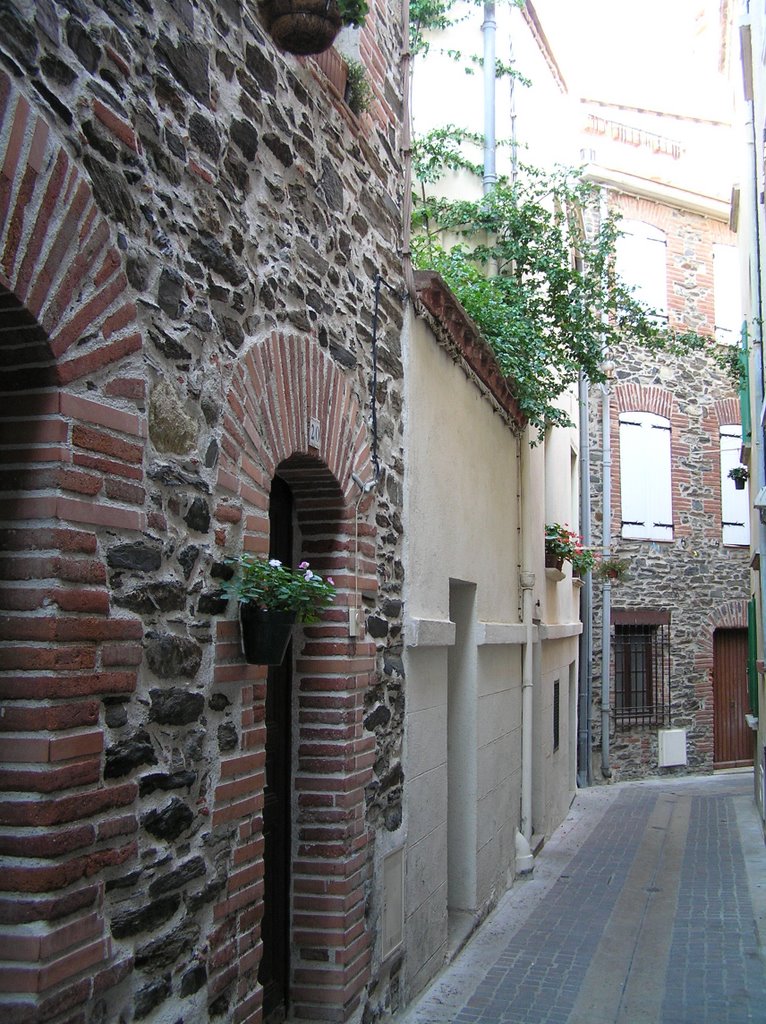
(671,747)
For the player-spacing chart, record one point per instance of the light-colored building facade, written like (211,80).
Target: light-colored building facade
(491,636)
(749,76)
(672,685)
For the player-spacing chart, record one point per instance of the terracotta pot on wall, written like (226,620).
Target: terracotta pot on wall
(553,561)
(302,26)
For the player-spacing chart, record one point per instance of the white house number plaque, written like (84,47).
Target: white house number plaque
(314,439)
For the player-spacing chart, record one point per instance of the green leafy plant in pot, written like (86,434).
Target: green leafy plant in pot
(739,474)
(310,26)
(272,597)
(613,569)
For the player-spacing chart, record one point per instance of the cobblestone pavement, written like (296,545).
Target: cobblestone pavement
(647,907)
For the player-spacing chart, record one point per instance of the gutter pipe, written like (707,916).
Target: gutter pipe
(585,694)
(606,600)
(489,30)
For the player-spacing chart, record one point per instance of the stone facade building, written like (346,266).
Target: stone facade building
(192,225)
(677,679)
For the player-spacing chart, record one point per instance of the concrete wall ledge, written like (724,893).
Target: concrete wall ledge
(429,632)
(559,630)
(502,633)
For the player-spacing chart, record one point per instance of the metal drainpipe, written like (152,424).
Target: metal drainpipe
(756,426)
(606,600)
(524,857)
(586,597)
(489,30)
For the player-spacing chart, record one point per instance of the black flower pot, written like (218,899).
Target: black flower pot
(265,634)
(739,483)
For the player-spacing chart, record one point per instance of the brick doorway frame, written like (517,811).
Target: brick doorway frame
(292,411)
(72,465)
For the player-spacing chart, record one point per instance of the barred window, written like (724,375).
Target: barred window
(641,667)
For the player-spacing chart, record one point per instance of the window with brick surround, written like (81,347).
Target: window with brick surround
(645,477)
(641,667)
(735,504)
(641,260)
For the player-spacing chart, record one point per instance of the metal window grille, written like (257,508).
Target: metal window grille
(642,673)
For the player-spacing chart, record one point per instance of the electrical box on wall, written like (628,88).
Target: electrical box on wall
(671,747)
(355,622)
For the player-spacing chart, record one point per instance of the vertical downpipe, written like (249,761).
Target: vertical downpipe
(606,602)
(586,612)
(489,30)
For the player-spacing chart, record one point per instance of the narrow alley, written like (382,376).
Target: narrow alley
(648,906)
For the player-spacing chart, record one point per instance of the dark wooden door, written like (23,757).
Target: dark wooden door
(733,738)
(274,972)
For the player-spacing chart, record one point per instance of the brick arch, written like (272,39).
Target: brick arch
(638,397)
(281,385)
(72,465)
(728,615)
(726,410)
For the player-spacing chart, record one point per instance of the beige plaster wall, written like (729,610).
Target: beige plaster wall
(462,519)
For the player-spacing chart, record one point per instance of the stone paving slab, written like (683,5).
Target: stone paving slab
(648,906)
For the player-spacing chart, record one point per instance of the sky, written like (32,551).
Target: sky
(656,54)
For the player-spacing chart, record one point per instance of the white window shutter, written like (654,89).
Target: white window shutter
(726,294)
(645,477)
(735,505)
(641,253)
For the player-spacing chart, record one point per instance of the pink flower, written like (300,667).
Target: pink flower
(303,565)
(331,581)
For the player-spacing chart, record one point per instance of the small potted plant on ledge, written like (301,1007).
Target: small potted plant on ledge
(563,544)
(271,598)
(739,474)
(559,544)
(613,569)
(310,26)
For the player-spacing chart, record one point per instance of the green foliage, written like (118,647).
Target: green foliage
(353,12)
(732,360)
(435,16)
(547,316)
(358,91)
(614,569)
(425,16)
(269,584)
(564,543)
(442,149)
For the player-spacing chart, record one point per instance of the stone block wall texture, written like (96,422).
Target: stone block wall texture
(704,584)
(191,224)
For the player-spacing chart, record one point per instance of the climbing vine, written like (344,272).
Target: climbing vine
(542,290)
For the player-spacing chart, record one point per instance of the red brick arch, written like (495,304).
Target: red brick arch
(282,384)
(72,464)
(729,615)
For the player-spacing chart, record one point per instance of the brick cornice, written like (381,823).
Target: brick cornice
(456,331)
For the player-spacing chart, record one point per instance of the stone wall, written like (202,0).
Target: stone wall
(704,584)
(191,225)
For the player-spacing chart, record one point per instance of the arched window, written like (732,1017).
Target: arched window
(641,253)
(645,478)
